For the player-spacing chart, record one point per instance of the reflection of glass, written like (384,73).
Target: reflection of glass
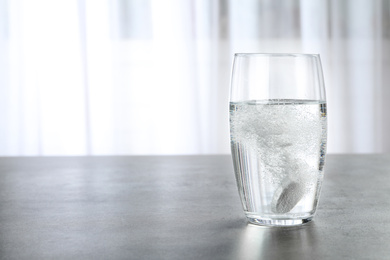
(298,242)
(278,135)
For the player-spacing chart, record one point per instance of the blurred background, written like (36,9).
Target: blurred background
(110,77)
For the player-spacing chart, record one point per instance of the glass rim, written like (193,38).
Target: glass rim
(251,54)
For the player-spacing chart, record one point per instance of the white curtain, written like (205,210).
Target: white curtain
(94,77)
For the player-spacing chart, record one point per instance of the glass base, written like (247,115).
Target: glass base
(278,222)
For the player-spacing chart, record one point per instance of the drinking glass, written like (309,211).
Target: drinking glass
(278,130)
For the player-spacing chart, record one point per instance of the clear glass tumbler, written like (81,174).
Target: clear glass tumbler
(278,129)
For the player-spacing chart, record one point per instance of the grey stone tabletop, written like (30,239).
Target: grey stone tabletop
(181,207)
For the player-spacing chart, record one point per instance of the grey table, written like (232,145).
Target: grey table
(181,207)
